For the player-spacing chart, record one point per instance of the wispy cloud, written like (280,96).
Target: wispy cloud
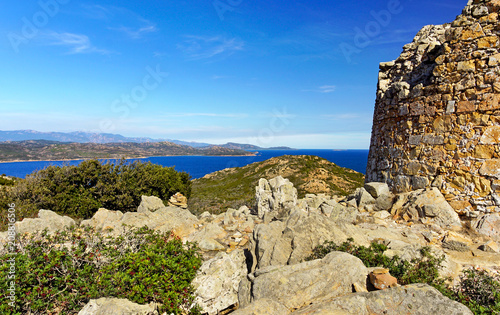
(136,33)
(327,88)
(76,43)
(323,89)
(204,47)
(131,24)
(97,12)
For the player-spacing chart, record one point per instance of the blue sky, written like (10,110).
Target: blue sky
(295,73)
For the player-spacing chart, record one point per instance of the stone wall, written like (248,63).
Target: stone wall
(437,113)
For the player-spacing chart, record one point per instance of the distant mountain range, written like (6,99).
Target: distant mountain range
(101,138)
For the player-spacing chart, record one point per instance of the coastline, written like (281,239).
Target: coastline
(127,158)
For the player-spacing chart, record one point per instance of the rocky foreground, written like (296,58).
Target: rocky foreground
(254,258)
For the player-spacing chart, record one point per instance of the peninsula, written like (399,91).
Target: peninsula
(43,150)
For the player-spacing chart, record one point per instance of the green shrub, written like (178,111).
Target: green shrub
(6,182)
(424,270)
(60,273)
(477,289)
(79,191)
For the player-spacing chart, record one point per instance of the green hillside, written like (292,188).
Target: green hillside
(236,186)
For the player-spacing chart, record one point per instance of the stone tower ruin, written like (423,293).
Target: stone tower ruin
(437,113)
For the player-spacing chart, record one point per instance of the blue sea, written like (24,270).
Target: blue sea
(199,166)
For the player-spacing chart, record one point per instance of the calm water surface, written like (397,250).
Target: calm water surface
(199,166)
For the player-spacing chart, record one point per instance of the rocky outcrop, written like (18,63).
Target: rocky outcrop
(217,282)
(427,206)
(46,220)
(263,307)
(290,242)
(314,281)
(488,225)
(413,299)
(150,203)
(258,265)
(114,306)
(179,221)
(437,113)
(275,197)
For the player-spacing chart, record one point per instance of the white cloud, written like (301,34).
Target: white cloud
(76,43)
(204,47)
(136,33)
(327,88)
(323,89)
(97,12)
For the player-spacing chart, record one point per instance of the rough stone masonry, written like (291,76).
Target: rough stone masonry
(437,113)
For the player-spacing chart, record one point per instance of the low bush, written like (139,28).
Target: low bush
(478,290)
(425,270)
(6,181)
(79,191)
(60,273)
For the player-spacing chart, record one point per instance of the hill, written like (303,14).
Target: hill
(84,137)
(235,187)
(40,150)
(242,146)
(89,137)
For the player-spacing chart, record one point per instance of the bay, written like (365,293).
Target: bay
(199,166)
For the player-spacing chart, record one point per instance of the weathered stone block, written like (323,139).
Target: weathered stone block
(491,135)
(491,168)
(433,139)
(412,168)
(487,42)
(465,106)
(489,102)
(484,151)
(415,139)
(417,109)
(469,65)
(419,182)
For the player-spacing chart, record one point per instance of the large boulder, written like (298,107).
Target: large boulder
(277,196)
(290,242)
(413,299)
(316,281)
(207,237)
(150,203)
(364,199)
(428,206)
(339,213)
(217,281)
(46,220)
(114,306)
(104,220)
(377,189)
(488,225)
